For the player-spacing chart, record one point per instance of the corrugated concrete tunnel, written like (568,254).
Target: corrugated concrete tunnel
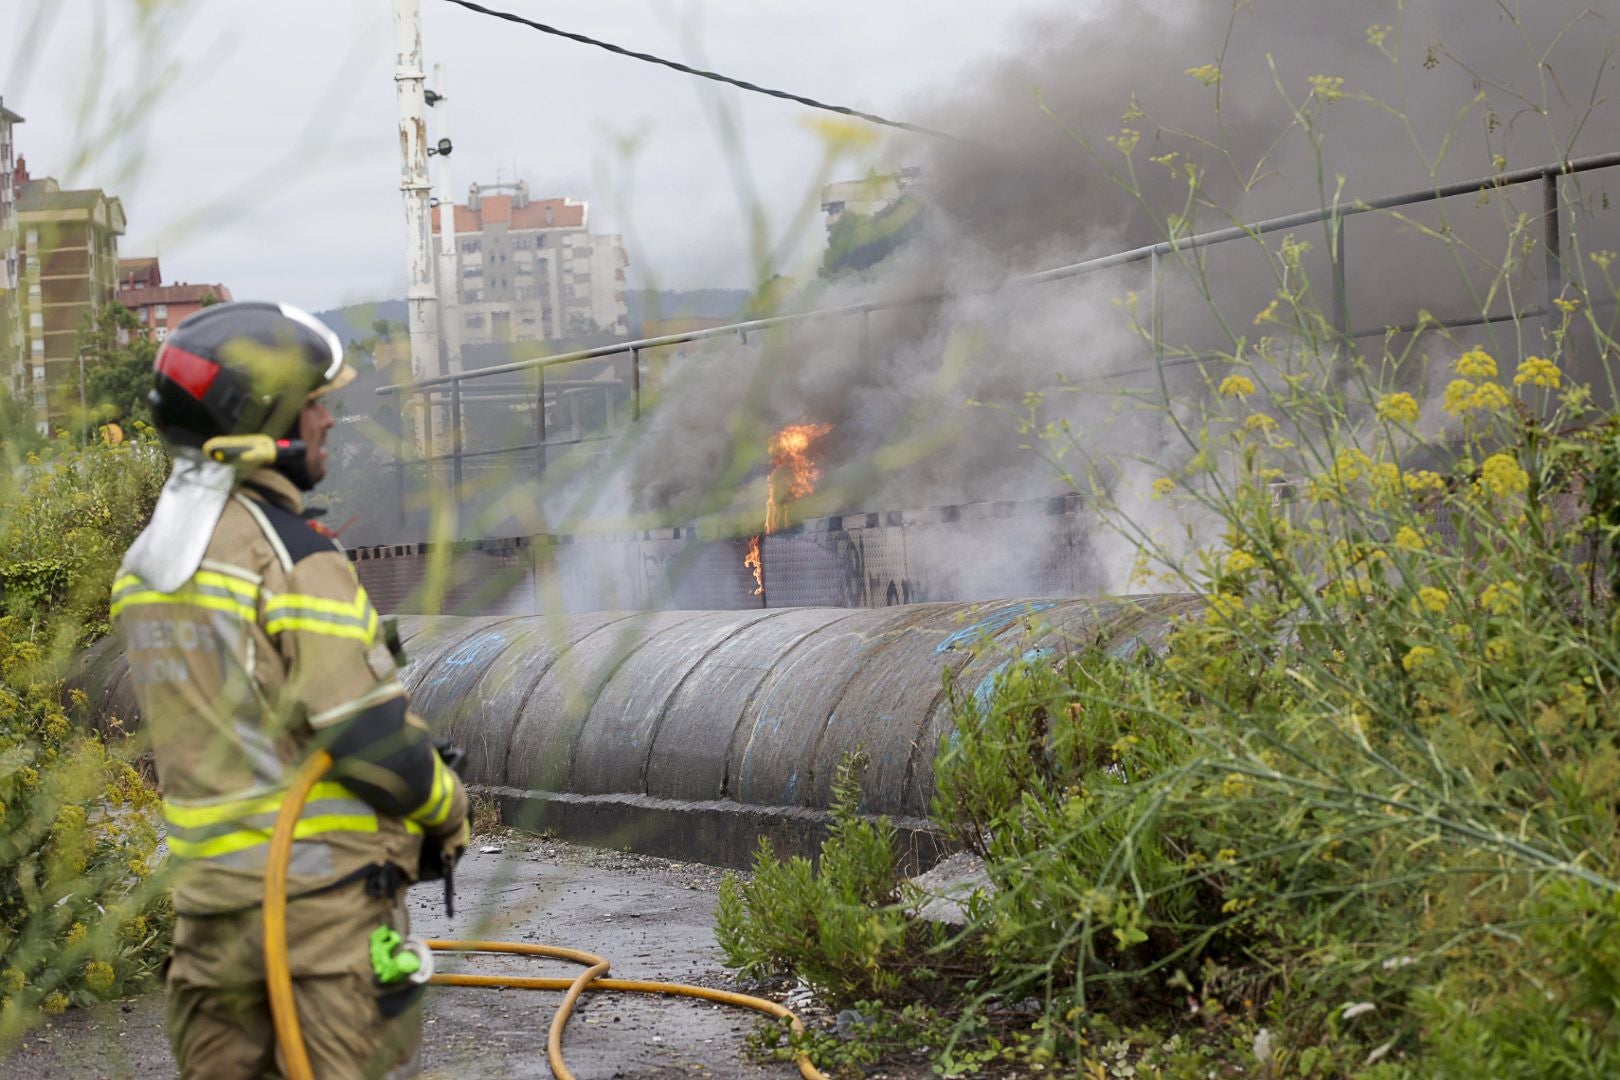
(691,734)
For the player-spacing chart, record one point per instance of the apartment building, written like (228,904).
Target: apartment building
(69,254)
(11,322)
(159,308)
(530,269)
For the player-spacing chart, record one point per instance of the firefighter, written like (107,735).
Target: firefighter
(251,643)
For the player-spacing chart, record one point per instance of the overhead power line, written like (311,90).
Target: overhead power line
(842,110)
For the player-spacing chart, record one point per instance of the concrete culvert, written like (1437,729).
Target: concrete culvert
(691,733)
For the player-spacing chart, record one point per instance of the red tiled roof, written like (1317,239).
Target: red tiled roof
(564,213)
(539,214)
(171,294)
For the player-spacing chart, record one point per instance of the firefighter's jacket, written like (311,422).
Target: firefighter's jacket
(269,650)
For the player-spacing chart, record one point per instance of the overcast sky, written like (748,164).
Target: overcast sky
(256,144)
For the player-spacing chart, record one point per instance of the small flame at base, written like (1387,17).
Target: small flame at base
(793,476)
(753,563)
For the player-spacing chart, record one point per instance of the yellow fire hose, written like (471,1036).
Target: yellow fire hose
(278,977)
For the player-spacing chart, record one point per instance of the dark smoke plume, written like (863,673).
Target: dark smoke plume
(1025,194)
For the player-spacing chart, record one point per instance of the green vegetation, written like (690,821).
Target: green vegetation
(82,917)
(1357,816)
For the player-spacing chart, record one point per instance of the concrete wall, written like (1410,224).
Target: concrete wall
(979,551)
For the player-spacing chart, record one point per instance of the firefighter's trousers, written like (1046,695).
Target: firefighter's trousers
(218,1012)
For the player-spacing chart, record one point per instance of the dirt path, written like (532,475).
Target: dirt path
(652,918)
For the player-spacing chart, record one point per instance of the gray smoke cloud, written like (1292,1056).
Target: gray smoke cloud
(1023,194)
(924,401)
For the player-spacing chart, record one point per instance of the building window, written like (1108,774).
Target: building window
(469,245)
(475,322)
(160,313)
(161,333)
(473,271)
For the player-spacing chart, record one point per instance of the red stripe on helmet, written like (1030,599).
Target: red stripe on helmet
(192,373)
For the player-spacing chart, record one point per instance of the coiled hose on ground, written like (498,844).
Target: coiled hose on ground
(278,977)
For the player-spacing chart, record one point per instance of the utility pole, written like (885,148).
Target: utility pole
(449,245)
(420,299)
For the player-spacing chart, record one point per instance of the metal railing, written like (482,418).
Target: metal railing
(445,392)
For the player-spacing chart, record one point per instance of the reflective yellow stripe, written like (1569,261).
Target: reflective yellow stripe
(320,626)
(352,619)
(245,589)
(355,608)
(195,816)
(436,809)
(246,838)
(204,590)
(183,599)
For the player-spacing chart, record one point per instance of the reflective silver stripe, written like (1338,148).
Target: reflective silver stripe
(310,858)
(291,611)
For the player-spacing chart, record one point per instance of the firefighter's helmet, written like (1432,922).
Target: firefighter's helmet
(243,369)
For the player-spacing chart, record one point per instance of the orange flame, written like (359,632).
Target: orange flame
(793,476)
(752,562)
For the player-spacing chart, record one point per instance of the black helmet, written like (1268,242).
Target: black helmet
(243,369)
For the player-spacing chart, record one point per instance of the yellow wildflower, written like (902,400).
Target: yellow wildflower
(76,933)
(1476,363)
(1163,486)
(1327,87)
(1489,398)
(55,1002)
(1208,74)
(1502,475)
(1223,607)
(99,976)
(1603,259)
(1416,657)
(1268,314)
(1350,463)
(1409,539)
(1498,650)
(1431,599)
(1235,786)
(1240,562)
(1126,140)
(1501,597)
(1238,386)
(1538,372)
(1385,477)
(1568,307)
(1421,480)
(1226,854)
(1455,401)
(1398,408)
(1259,422)
(12,980)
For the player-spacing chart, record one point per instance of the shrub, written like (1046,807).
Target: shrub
(841,927)
(82,914)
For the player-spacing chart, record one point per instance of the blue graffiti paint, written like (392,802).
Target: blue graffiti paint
(990,625)
(476,651)
(1127,648)
(987,685)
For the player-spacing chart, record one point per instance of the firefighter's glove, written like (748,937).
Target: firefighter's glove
(441,853)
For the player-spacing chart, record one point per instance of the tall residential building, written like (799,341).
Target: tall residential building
(159,308)
(70,269)
(530,269)
(11,340)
